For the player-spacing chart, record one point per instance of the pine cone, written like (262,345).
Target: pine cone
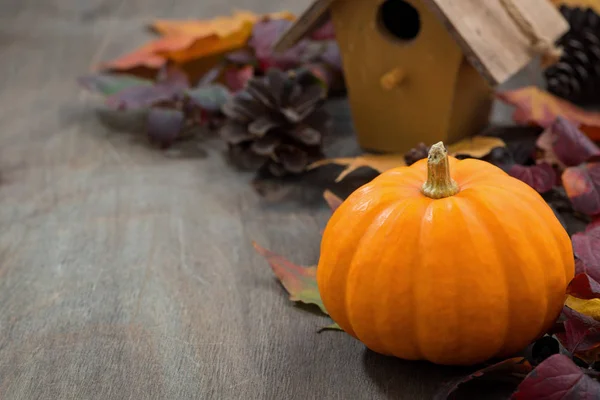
(576,77)
(416,154)
(276,123)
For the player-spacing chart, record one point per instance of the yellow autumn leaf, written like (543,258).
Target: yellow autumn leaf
(590,307)
(476,146)
(379,163)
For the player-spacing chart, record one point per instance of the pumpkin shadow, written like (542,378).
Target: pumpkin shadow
(400,379)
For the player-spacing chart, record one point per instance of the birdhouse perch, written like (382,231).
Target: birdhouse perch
(424,70)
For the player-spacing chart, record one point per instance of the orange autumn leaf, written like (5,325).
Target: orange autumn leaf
(536,106)
(149,54)
(221,26)
(185,41)
(210,45)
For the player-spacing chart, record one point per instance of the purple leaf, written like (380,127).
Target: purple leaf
(542,177)
(264,35)
(324,32)
(109,84)
(582,184)
(173,77)
(586,246)
(566,145)
(170,84)
(164,125)
(331,55)
(241,57)
(139,97)
(582,333)
(557,378)
(210,98)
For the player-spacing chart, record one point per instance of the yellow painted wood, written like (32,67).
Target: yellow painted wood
(421,108)
(472,104)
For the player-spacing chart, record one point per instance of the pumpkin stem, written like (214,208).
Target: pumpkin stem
(439,182)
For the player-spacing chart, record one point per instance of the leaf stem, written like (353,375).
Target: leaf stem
(439,182)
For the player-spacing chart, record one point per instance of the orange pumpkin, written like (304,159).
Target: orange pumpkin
(450,261)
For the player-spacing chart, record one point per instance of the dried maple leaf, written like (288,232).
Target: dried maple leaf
(189,41)
(379,163)
(535,106)
(565,145)
(150,55)
(557,378)
(221,26)
(332,200)
(517,365)
(300,282)
(477,147)
(542,177)
(582,185)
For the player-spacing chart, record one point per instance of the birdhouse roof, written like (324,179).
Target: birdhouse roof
(499,37)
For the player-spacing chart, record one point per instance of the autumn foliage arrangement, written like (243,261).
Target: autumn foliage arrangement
(267,110)
(222,74)
(556,159)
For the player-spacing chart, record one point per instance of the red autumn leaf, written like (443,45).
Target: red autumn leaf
(566,145)
(300,282)
(236,77)
(542,177)
(517,365)
(582,333)
(535,106)
(557,378)
(582,184)
(584,287)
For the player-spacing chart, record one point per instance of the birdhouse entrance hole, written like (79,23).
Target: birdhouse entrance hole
(399,19)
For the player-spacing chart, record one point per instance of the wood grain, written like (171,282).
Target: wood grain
(126,273)
(491,38)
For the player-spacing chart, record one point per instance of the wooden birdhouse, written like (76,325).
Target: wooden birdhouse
(424,70)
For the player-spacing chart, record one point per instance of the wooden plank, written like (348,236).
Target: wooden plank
(127,274)
(491,39)
(311,19)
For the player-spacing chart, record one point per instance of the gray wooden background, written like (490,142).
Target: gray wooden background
(126,273)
